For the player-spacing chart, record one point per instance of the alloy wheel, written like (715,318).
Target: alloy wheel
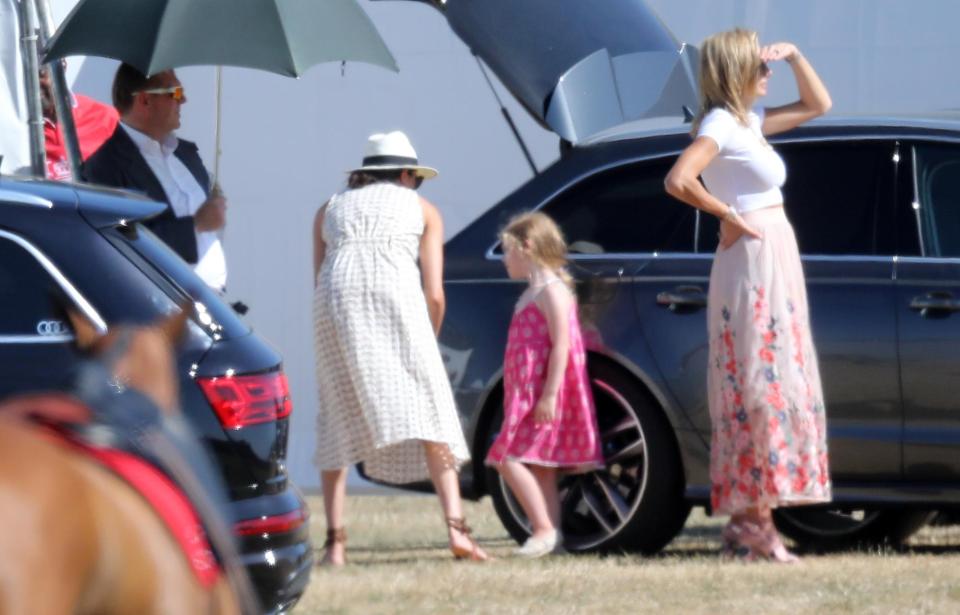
(597,505)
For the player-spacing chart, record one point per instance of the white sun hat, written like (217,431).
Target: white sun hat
(390,152)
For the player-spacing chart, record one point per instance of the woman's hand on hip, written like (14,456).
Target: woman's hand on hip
(734,227)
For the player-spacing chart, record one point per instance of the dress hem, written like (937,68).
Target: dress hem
(787,502)
(365,457)
(575,468)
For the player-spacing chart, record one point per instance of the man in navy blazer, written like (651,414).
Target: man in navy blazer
(145,155)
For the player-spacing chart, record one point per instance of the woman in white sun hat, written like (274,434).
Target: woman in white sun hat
(384,395)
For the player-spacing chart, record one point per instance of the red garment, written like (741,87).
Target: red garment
(170,504)
(95,123)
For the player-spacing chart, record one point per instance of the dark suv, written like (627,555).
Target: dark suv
(86,244)
(876,207)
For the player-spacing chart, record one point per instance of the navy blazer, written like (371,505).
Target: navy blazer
(120,164)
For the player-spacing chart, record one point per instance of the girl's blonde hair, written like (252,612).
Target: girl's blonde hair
(539,236)
(729,70)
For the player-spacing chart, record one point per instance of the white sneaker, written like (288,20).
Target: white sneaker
(538,547)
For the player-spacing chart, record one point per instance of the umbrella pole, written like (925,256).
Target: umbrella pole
(216,137)
(61,93)
(31,79)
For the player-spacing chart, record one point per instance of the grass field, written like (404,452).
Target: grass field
(398,563)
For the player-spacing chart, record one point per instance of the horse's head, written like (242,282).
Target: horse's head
(140,358)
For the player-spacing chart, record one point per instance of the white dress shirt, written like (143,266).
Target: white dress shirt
(185,196)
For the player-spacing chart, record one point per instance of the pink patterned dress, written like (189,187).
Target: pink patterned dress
(571,441)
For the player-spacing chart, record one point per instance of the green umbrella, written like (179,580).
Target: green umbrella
(281,36)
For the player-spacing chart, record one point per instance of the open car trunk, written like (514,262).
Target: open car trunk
(579,67)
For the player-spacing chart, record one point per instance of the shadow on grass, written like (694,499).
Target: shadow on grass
(368,555)
(696,542)
(932,549)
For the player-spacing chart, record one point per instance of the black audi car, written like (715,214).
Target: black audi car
(86,244)
(875,202)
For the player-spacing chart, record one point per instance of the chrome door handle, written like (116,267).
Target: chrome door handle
(935,301)
(682,296)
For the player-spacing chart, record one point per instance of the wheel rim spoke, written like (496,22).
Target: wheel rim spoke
(594,507)
(633,450)
(610,492)
(625,424)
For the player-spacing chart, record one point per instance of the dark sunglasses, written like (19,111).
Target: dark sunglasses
(417,182)
(764,69)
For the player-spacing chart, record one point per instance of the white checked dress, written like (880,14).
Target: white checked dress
(382,384)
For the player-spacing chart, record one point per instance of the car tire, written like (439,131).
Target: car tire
(819,529)
(636,502)
(946,517)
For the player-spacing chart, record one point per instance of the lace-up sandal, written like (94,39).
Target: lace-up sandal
(765,543)
(733,547)
(776,550)
(335,536)
(474,553)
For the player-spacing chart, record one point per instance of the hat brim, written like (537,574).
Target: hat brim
(421,171)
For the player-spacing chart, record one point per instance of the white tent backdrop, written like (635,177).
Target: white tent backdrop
(288,142)
(14,137)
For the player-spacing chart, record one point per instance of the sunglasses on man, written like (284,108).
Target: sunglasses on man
(175,92)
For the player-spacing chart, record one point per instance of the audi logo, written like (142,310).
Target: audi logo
(52,327)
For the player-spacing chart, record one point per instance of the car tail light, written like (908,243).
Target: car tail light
(271,525)
(240,401)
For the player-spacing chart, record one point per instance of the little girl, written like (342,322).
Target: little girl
(549,421)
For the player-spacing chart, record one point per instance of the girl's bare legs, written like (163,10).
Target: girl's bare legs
(526,486)
(446,482)
(334,497)
(547,481)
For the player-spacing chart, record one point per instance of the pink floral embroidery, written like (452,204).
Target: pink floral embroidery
(771,420)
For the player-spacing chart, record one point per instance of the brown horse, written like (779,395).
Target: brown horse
(75,538)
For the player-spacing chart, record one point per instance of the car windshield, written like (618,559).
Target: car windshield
(178,280)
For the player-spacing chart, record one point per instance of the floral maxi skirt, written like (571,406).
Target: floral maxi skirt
(769,445)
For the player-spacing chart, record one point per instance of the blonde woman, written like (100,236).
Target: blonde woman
(768,447)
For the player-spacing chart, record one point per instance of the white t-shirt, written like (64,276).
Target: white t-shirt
(185,196)
(747,173)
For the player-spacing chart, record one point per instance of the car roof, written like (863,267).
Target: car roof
(100,205)
(947,120)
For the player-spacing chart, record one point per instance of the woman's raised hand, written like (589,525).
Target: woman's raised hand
(778,51)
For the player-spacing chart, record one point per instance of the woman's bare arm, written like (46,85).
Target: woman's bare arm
(431,263)
(683,179)
(683,183)
(814,97)
(319,247)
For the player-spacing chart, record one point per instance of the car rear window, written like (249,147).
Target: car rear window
(624,210)
(177,279)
